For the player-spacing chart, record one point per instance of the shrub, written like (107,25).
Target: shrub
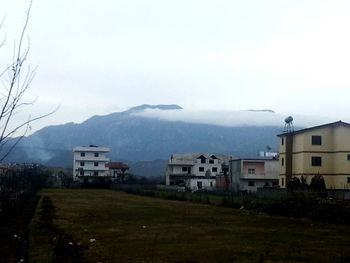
(294,184)
(318,183)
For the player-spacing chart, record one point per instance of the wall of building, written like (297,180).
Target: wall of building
(235,173)
(266,174)
(222,183)
(334,150)
(257,166)
(244,185)
(207,184)
(272,168)
(86,163)
(206,172)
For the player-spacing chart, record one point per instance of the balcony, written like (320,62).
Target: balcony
(190,176)
(91,173)
(261,176)
(181,162)
(91,159)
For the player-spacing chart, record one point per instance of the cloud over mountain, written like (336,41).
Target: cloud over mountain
(230,118)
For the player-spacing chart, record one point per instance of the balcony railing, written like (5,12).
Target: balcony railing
(190,176)
(258,176)
(92,158)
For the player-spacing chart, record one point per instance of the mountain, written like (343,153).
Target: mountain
(134,138)
(148,168)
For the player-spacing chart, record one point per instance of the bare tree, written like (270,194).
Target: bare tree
(16,78)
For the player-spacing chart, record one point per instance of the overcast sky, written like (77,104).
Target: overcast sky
(98,57)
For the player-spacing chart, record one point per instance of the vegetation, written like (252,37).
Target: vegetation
(317,184)
(17,184)
(18,200)
(49,243)
(300,203)
(118,227)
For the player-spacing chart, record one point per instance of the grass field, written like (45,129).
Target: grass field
(129,228)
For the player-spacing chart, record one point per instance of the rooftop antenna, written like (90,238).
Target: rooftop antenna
(288,125)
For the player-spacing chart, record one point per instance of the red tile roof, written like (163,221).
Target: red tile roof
(117,165)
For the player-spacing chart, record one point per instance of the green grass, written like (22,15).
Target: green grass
(130,228)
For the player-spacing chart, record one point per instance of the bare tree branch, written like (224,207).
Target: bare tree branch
(15,86)
(2,43)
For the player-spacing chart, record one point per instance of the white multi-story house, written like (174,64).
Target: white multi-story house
(195,171)
(90,164)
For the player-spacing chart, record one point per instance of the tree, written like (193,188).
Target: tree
(318,183)
(16,78)
(294,184)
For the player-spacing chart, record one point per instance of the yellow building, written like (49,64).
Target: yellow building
(321,150)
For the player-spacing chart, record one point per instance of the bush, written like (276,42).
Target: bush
(294,184)
(318,183)
(297,204)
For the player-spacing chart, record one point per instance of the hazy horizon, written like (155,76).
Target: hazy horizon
(226,118)
(95,59)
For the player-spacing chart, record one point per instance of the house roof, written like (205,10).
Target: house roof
(258,159)
(91,148)
(189,158)
(117,165)
(332,124)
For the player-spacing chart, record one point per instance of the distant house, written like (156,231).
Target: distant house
(195,171)
(253,173)
(321,150)
(89,164)
(117,171)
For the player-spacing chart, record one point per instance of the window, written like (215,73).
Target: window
(251,170)
(211,161)
(282,141)
(95,163)
(214,169)
(201,169)
(348,157)
(202,160)
(282,161)
(251,183)
(96,154)
(95,173)
(199,185)
(316,161)
(316,140)
(81,172)
(211,184)
(82,154)
(82,163)
(184,169)
(348,180)
(282,181)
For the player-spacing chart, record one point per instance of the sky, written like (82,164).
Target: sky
(99,57)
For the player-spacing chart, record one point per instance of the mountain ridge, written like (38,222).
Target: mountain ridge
(135,138)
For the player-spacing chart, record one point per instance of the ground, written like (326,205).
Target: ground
(113,226)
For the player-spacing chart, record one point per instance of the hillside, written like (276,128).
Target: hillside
(135,138)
